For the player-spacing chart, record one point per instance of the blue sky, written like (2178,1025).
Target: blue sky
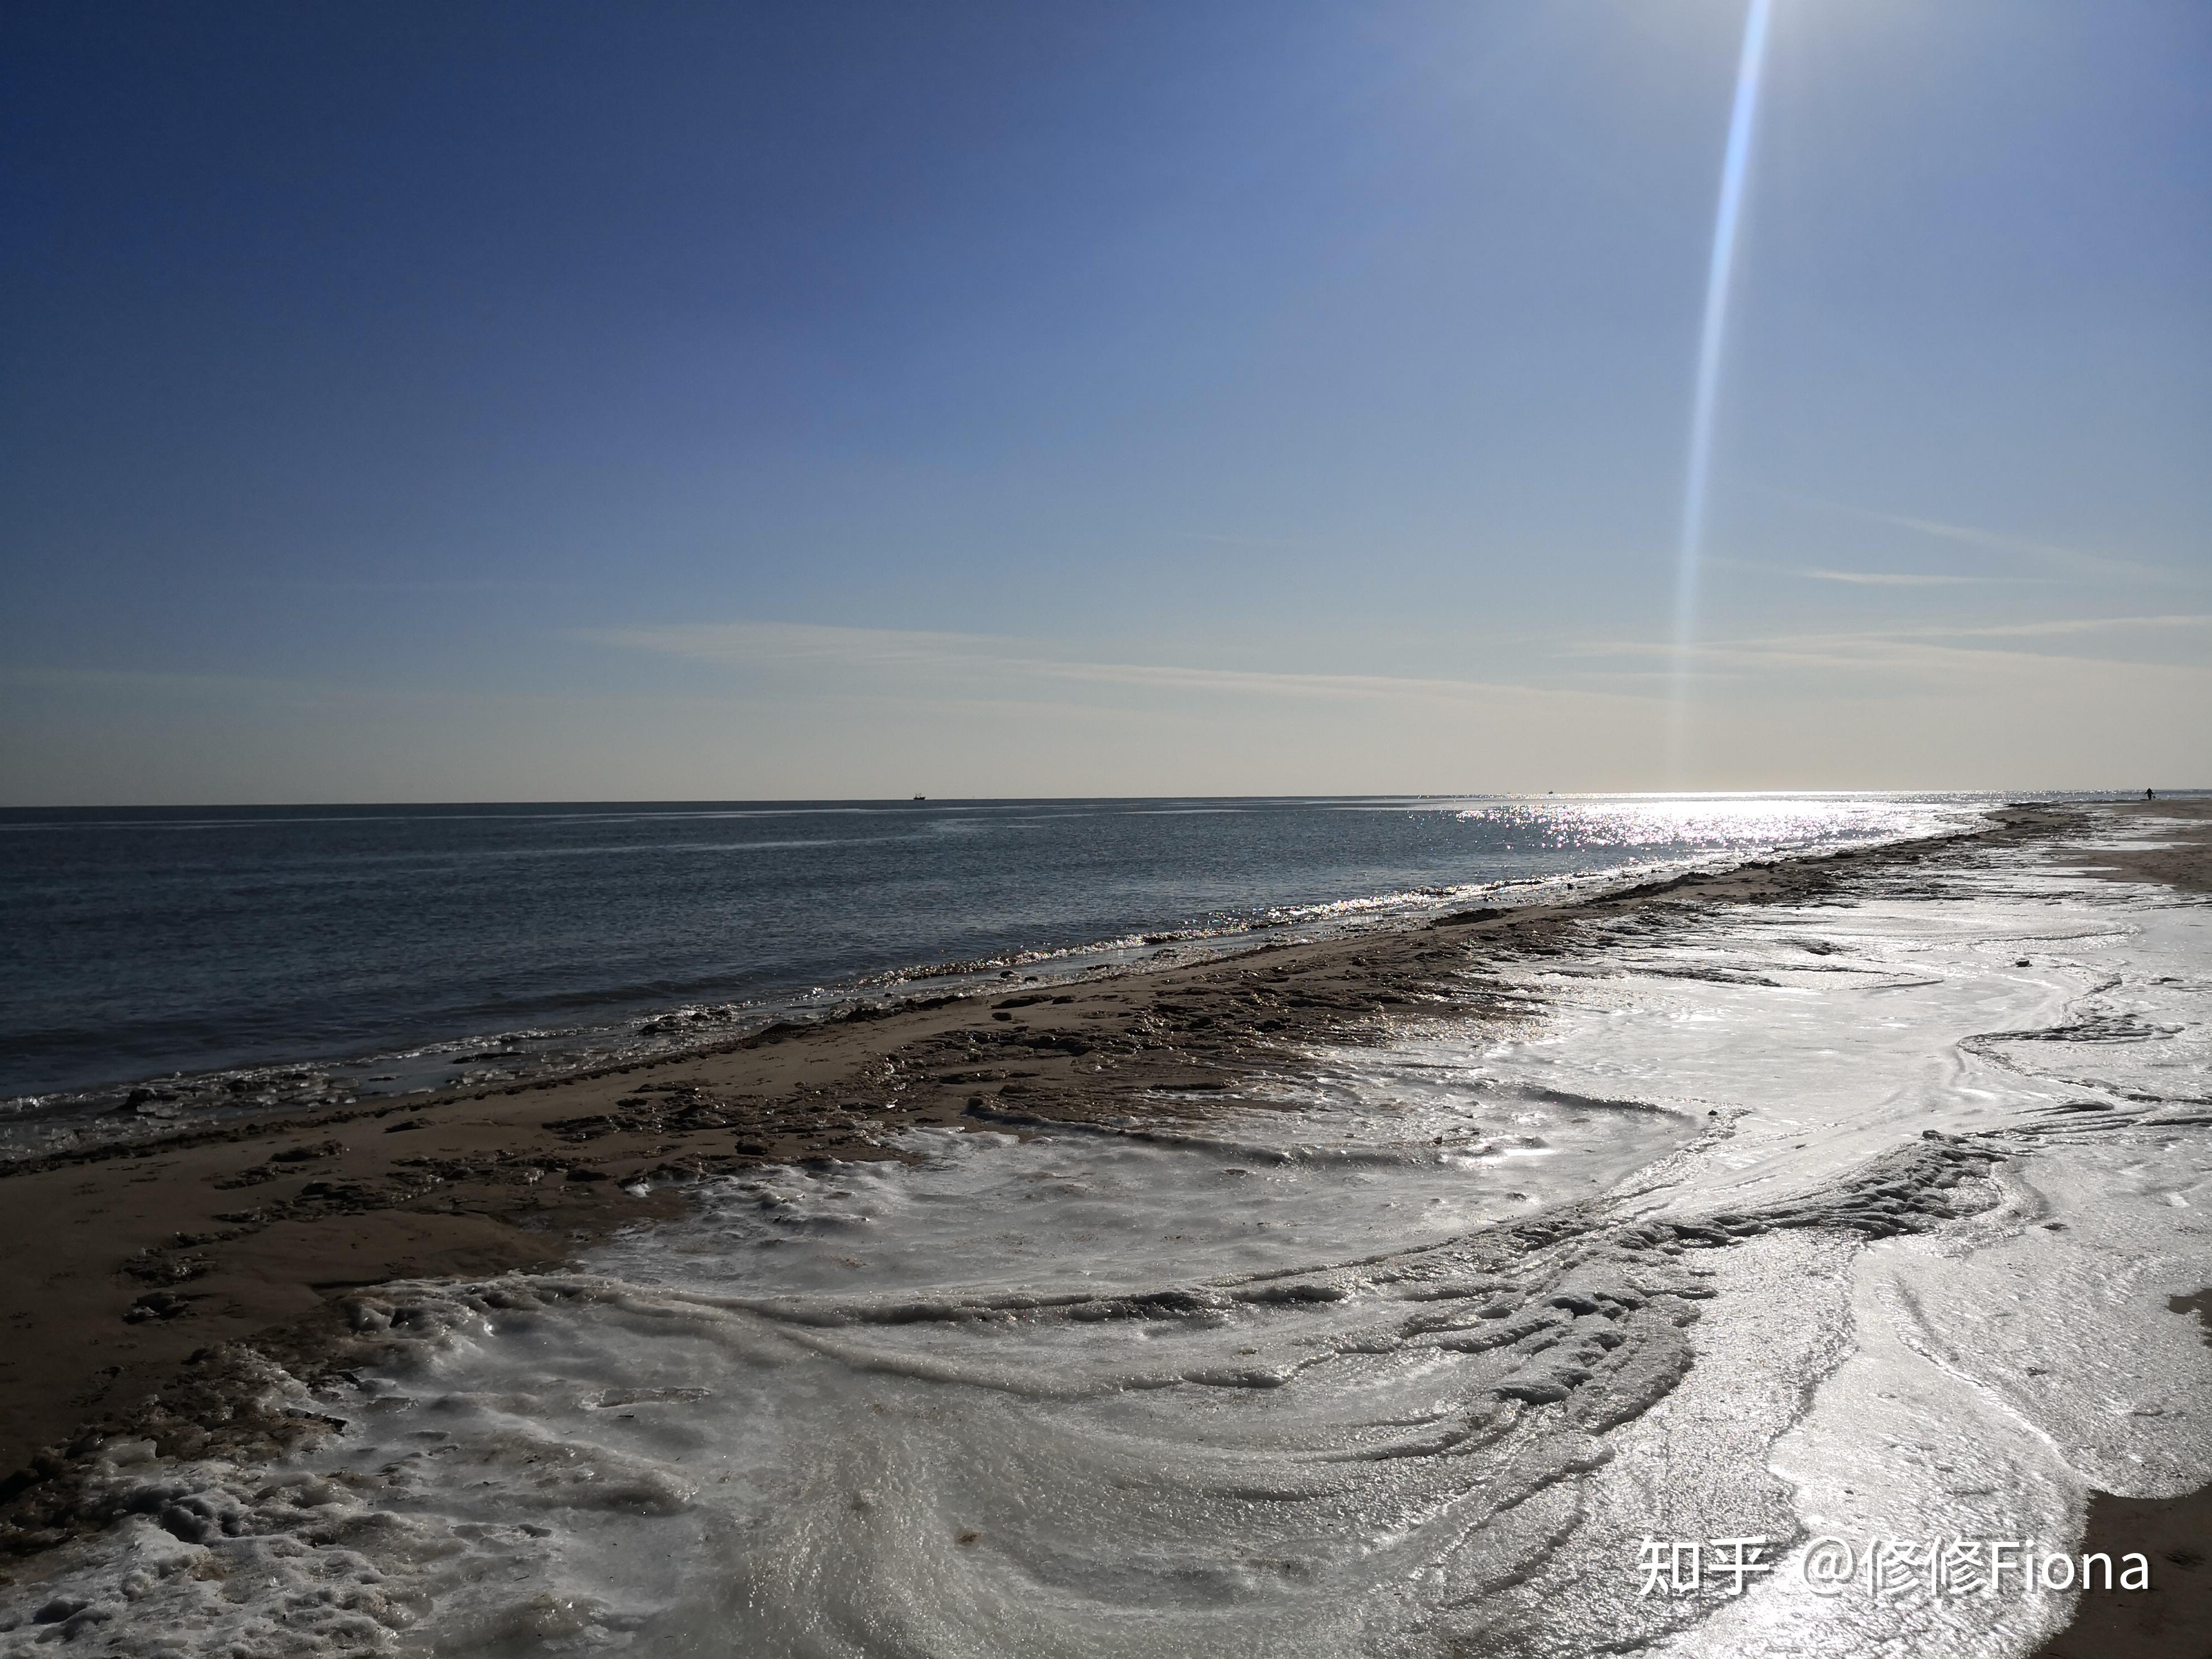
(480,401)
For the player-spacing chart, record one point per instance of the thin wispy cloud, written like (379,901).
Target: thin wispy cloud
(1878,578)
(2076,560)
(1887,647)
(912,663)
(2069,625)
(938,657)
(1973,536)
(1896,579)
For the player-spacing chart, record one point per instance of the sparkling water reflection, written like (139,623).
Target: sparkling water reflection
(138,942)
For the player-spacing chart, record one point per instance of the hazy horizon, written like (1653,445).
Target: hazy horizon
(712,806)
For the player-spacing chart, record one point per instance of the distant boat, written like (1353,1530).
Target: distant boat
(921,797)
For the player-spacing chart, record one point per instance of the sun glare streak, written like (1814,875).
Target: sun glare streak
(1735,165)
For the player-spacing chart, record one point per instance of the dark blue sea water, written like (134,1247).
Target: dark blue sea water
(145,942)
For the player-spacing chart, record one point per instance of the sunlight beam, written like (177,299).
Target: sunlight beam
(1735,165)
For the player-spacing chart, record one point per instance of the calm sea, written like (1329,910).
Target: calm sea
(155,941)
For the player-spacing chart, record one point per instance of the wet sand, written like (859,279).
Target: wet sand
(2171,1621)
(148,1281)
(2174,1617)
(2186,864)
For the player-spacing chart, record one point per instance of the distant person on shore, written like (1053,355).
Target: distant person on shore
(2150,795)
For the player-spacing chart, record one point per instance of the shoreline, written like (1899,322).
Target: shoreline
(250,1234)
(490,1181)
(156,1107)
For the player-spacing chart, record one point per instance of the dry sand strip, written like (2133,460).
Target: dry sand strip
(149,1283)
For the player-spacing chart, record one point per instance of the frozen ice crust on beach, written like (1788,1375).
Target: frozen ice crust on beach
(1854,1219)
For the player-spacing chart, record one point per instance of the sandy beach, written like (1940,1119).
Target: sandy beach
(155,1285)
(235,1234)
(1007,831)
